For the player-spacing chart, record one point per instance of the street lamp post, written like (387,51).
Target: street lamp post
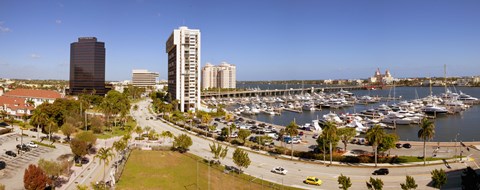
(456,136)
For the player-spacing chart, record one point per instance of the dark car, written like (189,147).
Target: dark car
(2,165)
(11,153)
(407,145)
(233,169)
(381,171)
(398,145)
(23,147)
(34,129)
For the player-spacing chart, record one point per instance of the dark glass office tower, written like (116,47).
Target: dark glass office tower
(87,66)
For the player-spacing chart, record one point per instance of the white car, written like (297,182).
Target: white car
(279,170)
(32,145)
(296,141)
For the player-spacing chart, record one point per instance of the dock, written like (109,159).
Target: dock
(293,110)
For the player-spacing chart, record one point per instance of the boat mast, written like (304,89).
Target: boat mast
(445,76)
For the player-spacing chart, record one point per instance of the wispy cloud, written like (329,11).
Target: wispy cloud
(58,21)
(34,56)
(4,28)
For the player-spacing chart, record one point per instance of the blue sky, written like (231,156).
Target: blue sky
(266,39)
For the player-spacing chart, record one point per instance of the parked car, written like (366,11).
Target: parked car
(407,145)
(279,170)
(233,169)
(3,165)
(312,181)
(301,133)
(23,147)
(315,136)
(34,129)
(398,145)
(32,145)
(11,153)
(296,141)
(381,171)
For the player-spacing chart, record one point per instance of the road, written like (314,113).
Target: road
(262,164)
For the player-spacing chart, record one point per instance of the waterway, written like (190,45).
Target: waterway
(464,126)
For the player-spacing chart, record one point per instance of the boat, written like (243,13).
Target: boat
(308,107)
(434,109)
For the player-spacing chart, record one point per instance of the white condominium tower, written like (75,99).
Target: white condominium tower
(143,78)
(183,49)
(221,76)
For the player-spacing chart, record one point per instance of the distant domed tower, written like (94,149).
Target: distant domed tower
(387,73)
(377,73)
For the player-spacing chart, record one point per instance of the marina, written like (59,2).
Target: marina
(399,110)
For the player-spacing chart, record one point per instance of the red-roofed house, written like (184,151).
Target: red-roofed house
(16,107)
(37,96)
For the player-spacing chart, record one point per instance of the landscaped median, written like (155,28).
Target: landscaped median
(43,144)
(173,170)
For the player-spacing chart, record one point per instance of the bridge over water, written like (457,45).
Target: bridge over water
(281,92)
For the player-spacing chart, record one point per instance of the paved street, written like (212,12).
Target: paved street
(261,164)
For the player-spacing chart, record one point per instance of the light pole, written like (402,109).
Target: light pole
(456,136)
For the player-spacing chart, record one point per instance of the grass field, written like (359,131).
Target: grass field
(172,170)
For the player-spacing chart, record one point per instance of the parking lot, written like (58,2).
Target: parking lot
(12,175)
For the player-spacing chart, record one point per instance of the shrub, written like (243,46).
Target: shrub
(43,144)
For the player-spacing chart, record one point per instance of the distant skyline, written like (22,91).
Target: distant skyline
(266,40)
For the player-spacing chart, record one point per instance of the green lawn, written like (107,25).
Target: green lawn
(406,159)
(116,131)
(172,170)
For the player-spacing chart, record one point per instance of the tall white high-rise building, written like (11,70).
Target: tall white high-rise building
(143,78)
(221,76)
(183,49)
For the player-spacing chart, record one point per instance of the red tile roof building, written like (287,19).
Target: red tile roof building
(37,96)
(16,107)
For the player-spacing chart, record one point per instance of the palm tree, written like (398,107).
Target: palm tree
(281,135)
(23,126)
(139,131)
(375,136)
(229,118)
(3,114)
(119,145)
(39,118)
(329,134)
(166,134)
(426,132)
(104,154)
(292,130)
(51,123)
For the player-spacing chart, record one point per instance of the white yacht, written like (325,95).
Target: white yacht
(434,109)
(309,106)
(397,118)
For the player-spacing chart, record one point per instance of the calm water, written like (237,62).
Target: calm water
(466,124)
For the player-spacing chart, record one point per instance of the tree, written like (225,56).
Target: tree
(218,151)
(439,178)
(82,187)
(120,145)
(88,137)
(182,142)
(388,142)
(23,126)
(139,131)
(241,159)
(206,119)
(426,132)
(409,183)
(35,178)
(113,104)
(375,136)
(52,168)
(329,136)
(166,134)
(97,124)
(229,118)
(152,135)
(346,134)
(52,128)
(104,154)
(375,184)
(292,130)
(79,148)
(344,182)
(68,129)
(243,134)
